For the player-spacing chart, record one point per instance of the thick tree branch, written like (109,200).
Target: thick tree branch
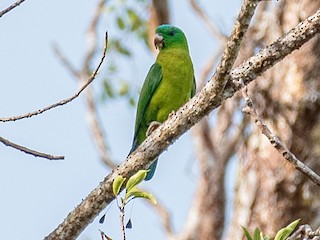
(12,6)
(30,151)
(163,136)
(219,79)
(177,124)
(275,141)
(67,100)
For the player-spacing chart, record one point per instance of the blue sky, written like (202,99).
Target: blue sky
(37,194)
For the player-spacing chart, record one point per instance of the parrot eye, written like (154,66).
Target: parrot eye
(172,33)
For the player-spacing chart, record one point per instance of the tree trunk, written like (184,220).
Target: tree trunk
(270,193)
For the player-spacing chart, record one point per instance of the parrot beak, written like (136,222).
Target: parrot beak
(158,41)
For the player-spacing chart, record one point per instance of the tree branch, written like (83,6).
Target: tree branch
(30,151)
(276,142)
(80,75)
(163,136)
(93,117)
(304,232)
(178,123)
(65,62)
(12,6)
(67,100)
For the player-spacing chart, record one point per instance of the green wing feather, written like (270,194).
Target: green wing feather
(193,92)
(151,83)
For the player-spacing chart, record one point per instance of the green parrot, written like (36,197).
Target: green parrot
(169,84)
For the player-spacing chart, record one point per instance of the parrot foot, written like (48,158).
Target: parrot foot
(172,113)
(152,126)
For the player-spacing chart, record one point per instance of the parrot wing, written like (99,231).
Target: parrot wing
(194,87)
(150,85)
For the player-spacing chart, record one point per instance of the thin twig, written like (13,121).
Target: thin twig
(12,6)
(94,123)
(67,100)
(163,213)
(304,232)
(92,36)
(275,141)
(65,62)
(30,151)
(81,75)
(123,228)
(206,19)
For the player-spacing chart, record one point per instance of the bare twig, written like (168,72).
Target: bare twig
(122,213)
(12,6)
(30,151)
(202,14)
(94,123)
(81,75)
(92,37)
(123,229)
(67,100)
(65,62)
(304,232)
(275,141)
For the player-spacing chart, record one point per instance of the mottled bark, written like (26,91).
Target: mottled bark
(270,193)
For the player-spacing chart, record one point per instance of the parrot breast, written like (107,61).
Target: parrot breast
(176,86)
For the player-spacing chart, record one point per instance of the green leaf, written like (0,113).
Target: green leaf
(132,101)
(134,19)
(285,232)
(121,49)
(139,194)
(246,232)
(121,23)
(257,234)
(108,89)
(117,184)
(136,179)
(124,89)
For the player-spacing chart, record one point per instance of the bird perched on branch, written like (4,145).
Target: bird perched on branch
(169,84)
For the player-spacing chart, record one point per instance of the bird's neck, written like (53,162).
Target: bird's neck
(172,53)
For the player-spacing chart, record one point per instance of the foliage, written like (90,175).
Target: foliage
(282,234)
(126,21)
(131,190)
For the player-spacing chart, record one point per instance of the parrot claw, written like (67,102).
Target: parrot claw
(172,113)
(152,126)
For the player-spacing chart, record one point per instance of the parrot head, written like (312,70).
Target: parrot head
(168,36)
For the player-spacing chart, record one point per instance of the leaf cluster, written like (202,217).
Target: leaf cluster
(131,190)
(282,234)
(128,20)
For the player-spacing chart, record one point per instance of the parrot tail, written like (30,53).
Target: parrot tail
(152,170)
